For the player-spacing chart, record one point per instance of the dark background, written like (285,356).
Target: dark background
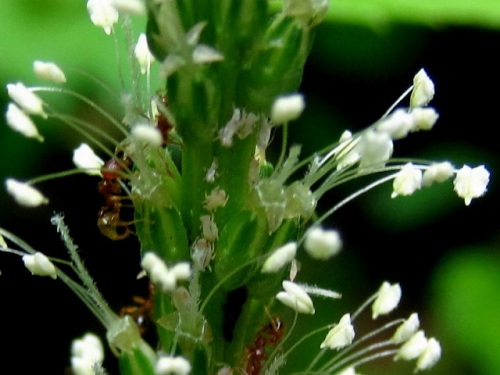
(444,255)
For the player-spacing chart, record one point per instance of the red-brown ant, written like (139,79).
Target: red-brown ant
(162,122)
(109,220)
(256,356)
(141,310)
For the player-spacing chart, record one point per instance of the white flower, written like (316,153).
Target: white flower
(172,366)
(412,348)
(279,258)
(85,158)
(161,275)
(430,355)
(296,298)
(147,135)
(85,352)
(287,108)
(423,90)
(437,172)
(398,124)
(424,118)
(407,181)
(374,148)
(471,183)
(388,297)
(181,271)
(26,99)
(142,53)
(19,121)
(341,335)
(38,264)
(102,14)
(406,330)
(49,71)
(322,244)
(25,194)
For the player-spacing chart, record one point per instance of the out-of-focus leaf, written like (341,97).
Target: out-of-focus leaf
(467,308)
(483,13)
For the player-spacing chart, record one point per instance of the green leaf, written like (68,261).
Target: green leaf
(483,13)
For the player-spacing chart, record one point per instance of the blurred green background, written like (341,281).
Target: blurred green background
(444,255)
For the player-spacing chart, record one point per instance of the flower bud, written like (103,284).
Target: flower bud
(374,148)
(102,14)
(172,366)
(341,335)
(406,330)
(39,265)
(322,244)
(279,258)
(147,135)
(287,108)
(437,172)
(398,124)
(388,297)
(49,71)
(25,194)
(296,298)
(142,53)
(430,355)
(424,118)
(471,183)
(412,348)
(21,122)
(407,181)
(26,99)
(85,158)
(423,90)
(86,352)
